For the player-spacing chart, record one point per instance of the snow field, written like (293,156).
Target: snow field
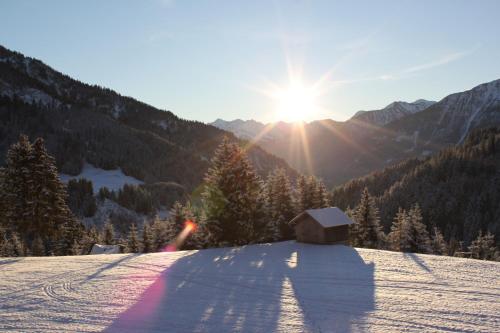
(280,287)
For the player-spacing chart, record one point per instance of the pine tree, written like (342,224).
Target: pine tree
(320,194)
(32,193)
(232,198)
(483,247)
(279,205)
(161,235)
(109,233)
(420,241)
(399,239)
(438,244)
(133,241)
(17,246)
(176,220)
(147,239)
(367,232)
(37,247)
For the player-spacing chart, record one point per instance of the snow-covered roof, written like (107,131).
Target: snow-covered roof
(327,217)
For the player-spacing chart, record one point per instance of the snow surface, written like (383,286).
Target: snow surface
(112,179)
(282,287)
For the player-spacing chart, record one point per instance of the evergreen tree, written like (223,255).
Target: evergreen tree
(147,239)
(420,241)
(399,239)
(133,241)
(483,247)
(438,243)
(33,196)
(232,198)
(320,194)
(109,234)
(279,205)
(367,232)
(16,246)
(161,235)
(176,220)
(37,247)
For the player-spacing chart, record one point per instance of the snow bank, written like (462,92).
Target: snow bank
(112,179)
(283,287)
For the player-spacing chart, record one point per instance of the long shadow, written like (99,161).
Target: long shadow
(418,261)
(10,261)
(110,266)
(265,288)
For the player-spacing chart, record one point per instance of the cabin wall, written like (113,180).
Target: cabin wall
(338,234)
(308,230)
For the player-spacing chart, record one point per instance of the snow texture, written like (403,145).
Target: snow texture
(280,287)
(112,179)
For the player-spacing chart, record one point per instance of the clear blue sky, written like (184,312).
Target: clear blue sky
(203,59)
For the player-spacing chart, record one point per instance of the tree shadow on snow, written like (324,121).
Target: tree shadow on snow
(286,287)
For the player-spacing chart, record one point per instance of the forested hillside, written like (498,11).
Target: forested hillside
(458,189)
(80,122)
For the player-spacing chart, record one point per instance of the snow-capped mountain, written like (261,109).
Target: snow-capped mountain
(371,140)
(244,129)
(391,112)
(451,119)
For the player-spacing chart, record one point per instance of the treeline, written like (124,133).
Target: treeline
(408,233)
(458,189)
(236,207)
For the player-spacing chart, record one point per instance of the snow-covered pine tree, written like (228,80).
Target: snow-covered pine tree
(16,246)
(304,198)
(438,244)
(33,195)
(368,230)
(108,233)
(175,221)
(133,240)
(399,238)
(161,236)
(232,198)
(418,232)
(279,205)
(321,197)
(17,187)
(147,239)
(37,247)
(483,247)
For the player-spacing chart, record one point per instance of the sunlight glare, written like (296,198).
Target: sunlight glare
(296,103)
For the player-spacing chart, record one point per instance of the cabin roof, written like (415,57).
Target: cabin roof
(326,217)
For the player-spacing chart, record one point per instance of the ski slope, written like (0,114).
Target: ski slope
(282,287)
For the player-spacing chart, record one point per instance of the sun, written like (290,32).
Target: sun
(295,103)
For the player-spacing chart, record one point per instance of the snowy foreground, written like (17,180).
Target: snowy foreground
(284,287)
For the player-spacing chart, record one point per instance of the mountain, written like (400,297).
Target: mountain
(391,112)
(244,129)
(278,287)
(84,123)
(458,188)
(372,140)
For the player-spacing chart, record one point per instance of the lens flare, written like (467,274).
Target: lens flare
(189,228)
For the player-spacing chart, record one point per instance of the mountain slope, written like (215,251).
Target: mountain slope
(458,189)
(340,151)
(391,112)
(279,287)
(83,123)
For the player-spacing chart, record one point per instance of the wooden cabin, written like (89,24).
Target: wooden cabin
(322,226)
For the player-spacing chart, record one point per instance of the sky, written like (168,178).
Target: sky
(205,60)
